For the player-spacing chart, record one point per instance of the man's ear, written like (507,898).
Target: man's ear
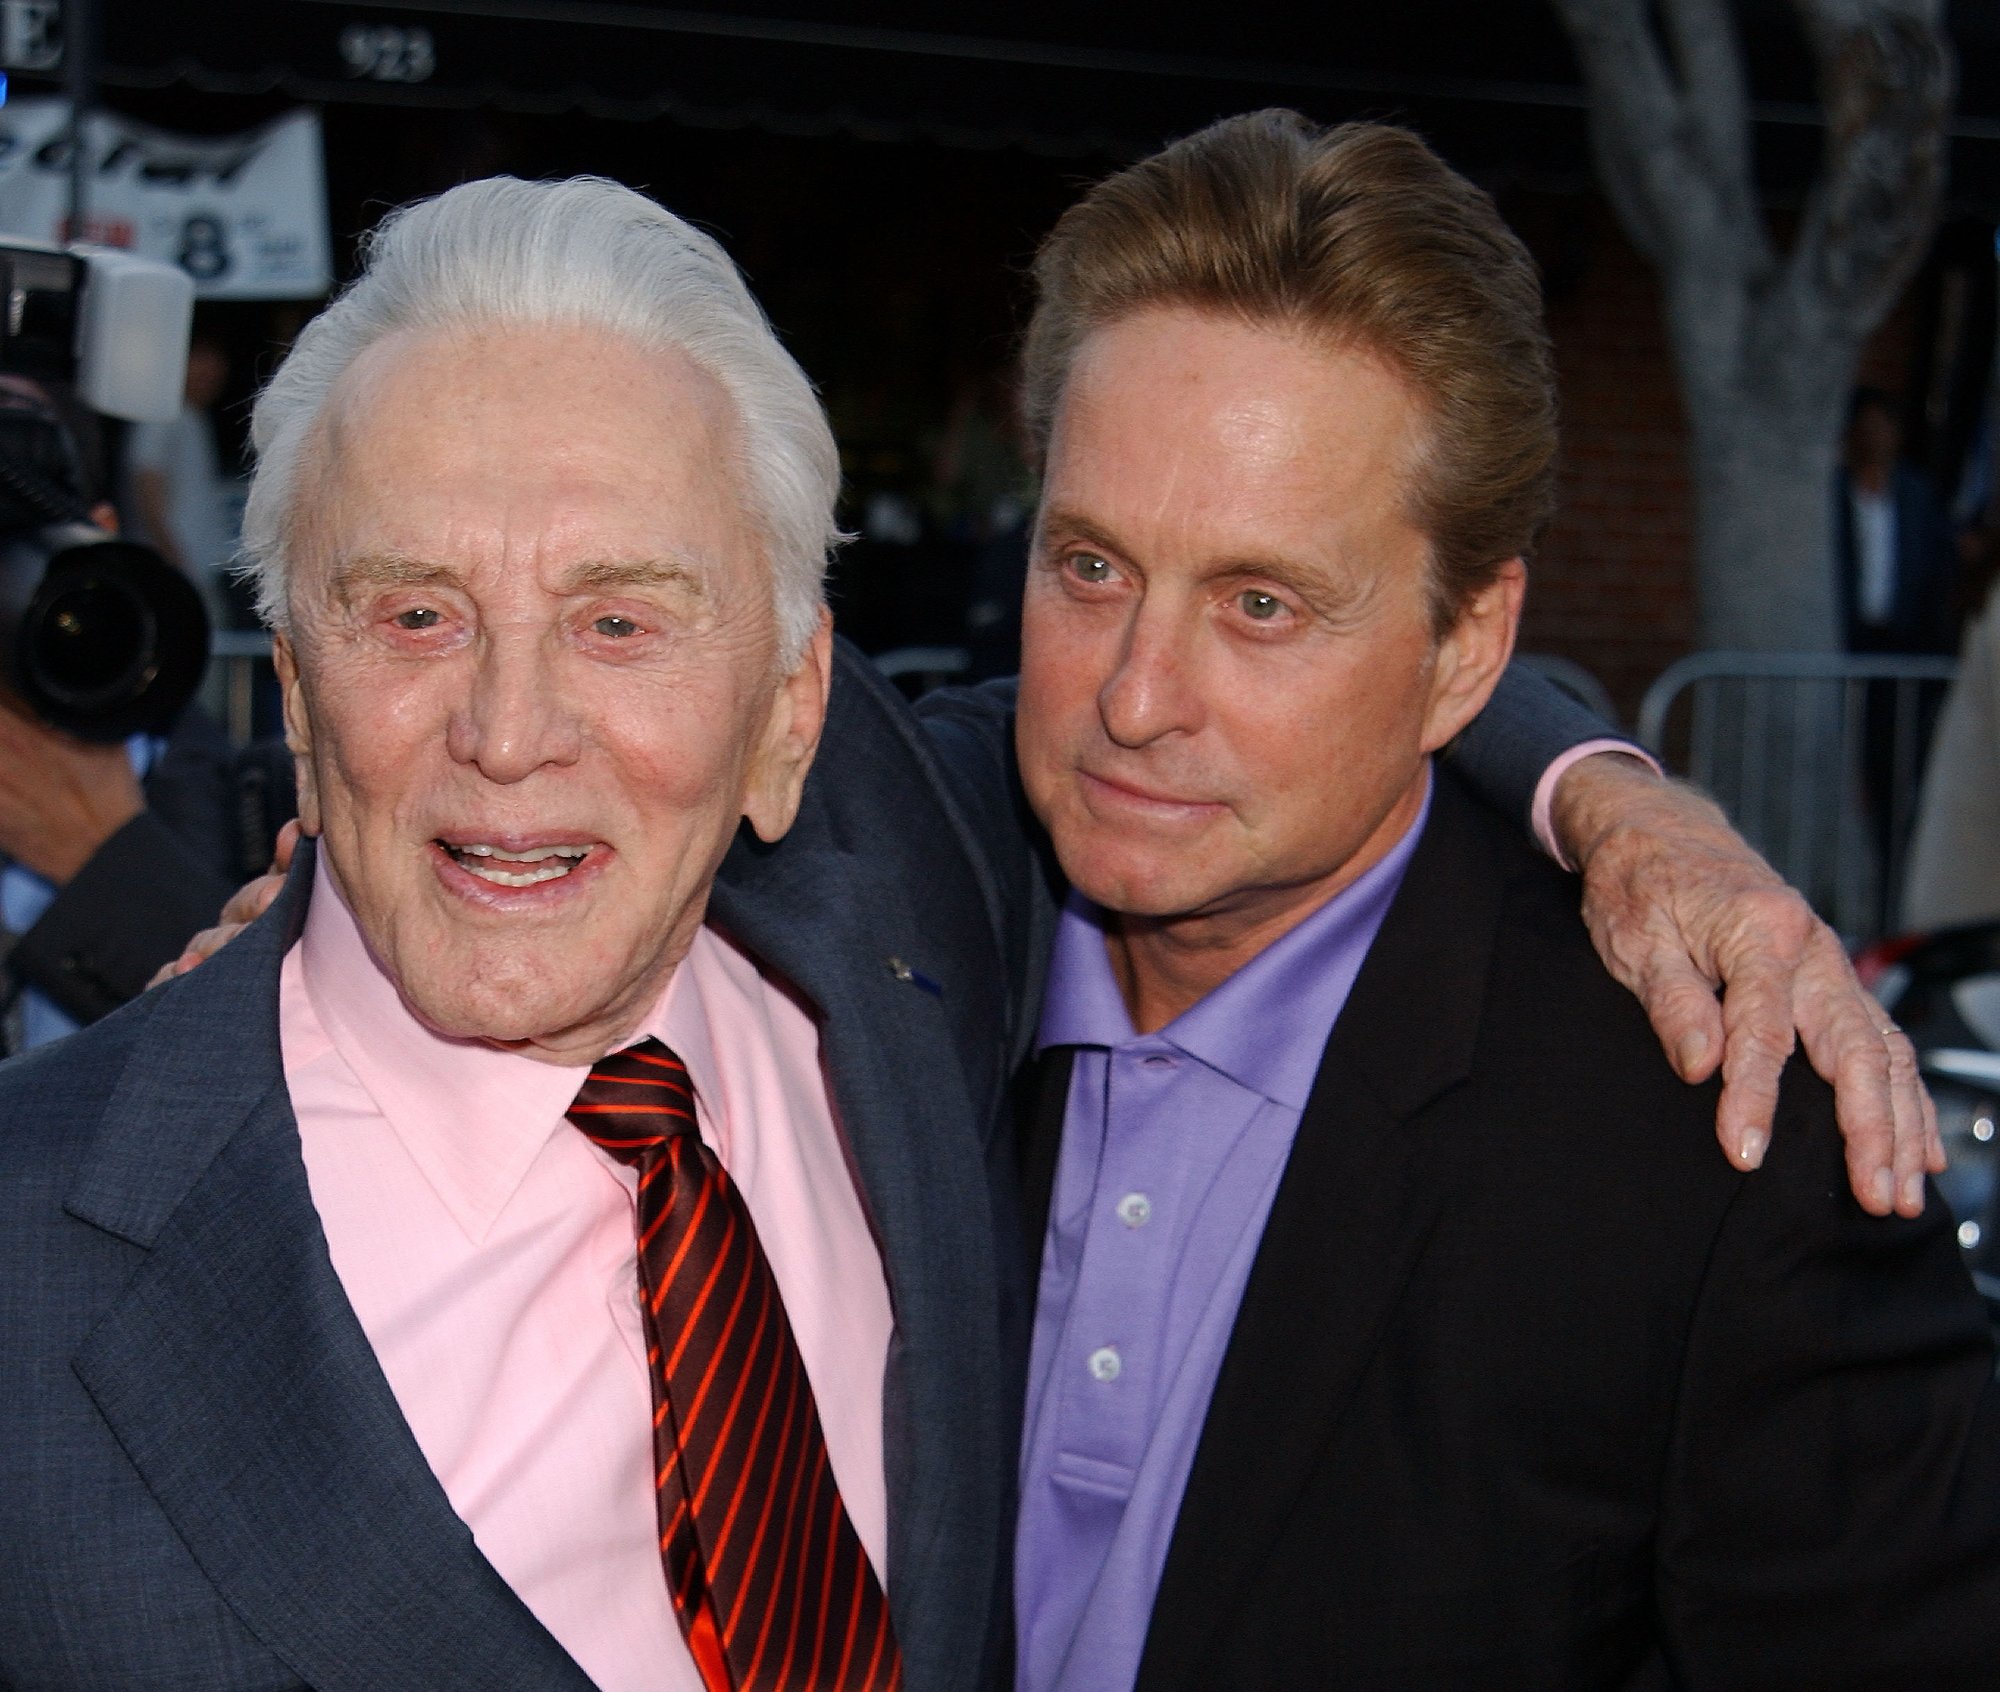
(298,727)
(1472,654)
(777,774)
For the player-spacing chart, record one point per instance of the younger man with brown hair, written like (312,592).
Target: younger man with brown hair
(1397,1326)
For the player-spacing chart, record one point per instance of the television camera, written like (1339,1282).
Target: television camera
(99,636)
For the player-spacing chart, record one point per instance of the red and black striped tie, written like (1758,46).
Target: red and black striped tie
(772,1588)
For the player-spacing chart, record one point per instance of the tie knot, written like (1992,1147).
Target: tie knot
(634,1101)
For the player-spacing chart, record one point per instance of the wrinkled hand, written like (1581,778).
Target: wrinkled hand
(1679,906)
(60,798)
(245,906)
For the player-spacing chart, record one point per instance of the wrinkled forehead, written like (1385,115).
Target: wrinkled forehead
(524,447)
(517,395)
(1241,435)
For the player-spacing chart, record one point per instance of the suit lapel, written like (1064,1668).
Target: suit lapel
(1353,1214)
(1041,1103)
(239,1383)
(831,925)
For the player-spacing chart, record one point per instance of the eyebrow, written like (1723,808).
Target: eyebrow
(391,569)
(1061,519)
(601,575)
(386,569)
(1318,586)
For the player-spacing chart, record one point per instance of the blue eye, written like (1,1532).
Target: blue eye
(616,628)
(1261,607)
(423,617)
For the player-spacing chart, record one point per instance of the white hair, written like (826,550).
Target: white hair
(584,252)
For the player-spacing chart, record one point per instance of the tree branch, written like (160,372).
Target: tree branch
(1679,186)
(1717,107)
(1886,82)
(1634,114)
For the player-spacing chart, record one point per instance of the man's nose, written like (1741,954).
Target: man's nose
(1153,692)
(516,718)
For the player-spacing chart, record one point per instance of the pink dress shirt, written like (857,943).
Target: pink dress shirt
(488,1249)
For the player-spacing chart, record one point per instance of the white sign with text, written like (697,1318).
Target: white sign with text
(244,215)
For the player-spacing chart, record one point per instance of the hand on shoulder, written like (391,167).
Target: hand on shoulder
(1735,969)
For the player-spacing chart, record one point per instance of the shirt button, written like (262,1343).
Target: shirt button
(1135,1210)
(1105,1363)
(1157,1060)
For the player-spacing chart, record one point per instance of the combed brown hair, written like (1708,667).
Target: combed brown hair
(1361,236)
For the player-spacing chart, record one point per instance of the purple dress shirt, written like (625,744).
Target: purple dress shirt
(1173,1146)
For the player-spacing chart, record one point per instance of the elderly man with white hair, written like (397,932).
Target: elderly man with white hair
(328,1360)
(571,1239)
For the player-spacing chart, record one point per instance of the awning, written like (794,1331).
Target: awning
(1066,79)
(1104,79)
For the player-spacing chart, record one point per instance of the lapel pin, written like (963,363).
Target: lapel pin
(902,972)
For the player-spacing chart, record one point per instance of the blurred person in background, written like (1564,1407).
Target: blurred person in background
(111,856)
(1895,557)
(1953,874)
(1954,863)
(1895,566)
(176,483)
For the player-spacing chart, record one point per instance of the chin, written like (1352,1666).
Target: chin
(471,1008)
(463,1016)
(1135,889)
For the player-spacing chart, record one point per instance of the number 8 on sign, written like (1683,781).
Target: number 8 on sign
(204,253)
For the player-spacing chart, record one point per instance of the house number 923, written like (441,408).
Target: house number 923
(388,53)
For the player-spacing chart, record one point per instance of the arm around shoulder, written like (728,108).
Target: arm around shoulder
(1526,726)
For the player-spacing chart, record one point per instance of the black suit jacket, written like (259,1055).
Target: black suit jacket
(1529,1389)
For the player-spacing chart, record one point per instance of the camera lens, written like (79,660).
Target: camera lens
(95,642)
(99,637)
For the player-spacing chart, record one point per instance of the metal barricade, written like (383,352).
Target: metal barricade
(1816,757)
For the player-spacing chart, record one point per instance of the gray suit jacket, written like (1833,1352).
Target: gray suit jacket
(204,1478)
(205,1481)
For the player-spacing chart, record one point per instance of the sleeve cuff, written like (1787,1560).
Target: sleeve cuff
(1541,814)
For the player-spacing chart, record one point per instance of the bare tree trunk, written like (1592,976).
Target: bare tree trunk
(1767,343)
(1763,482)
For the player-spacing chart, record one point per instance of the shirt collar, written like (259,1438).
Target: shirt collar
(1265,1027)
(473,1118)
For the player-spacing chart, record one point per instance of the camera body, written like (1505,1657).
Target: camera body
(108,324)
(98,636)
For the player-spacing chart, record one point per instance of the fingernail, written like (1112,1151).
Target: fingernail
(1885,1188)
(1693,1049)
(1752,1147)
(1913,1192)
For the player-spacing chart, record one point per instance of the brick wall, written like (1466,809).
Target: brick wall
(1613,588)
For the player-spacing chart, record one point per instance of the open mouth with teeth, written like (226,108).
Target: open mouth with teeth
(515,869)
